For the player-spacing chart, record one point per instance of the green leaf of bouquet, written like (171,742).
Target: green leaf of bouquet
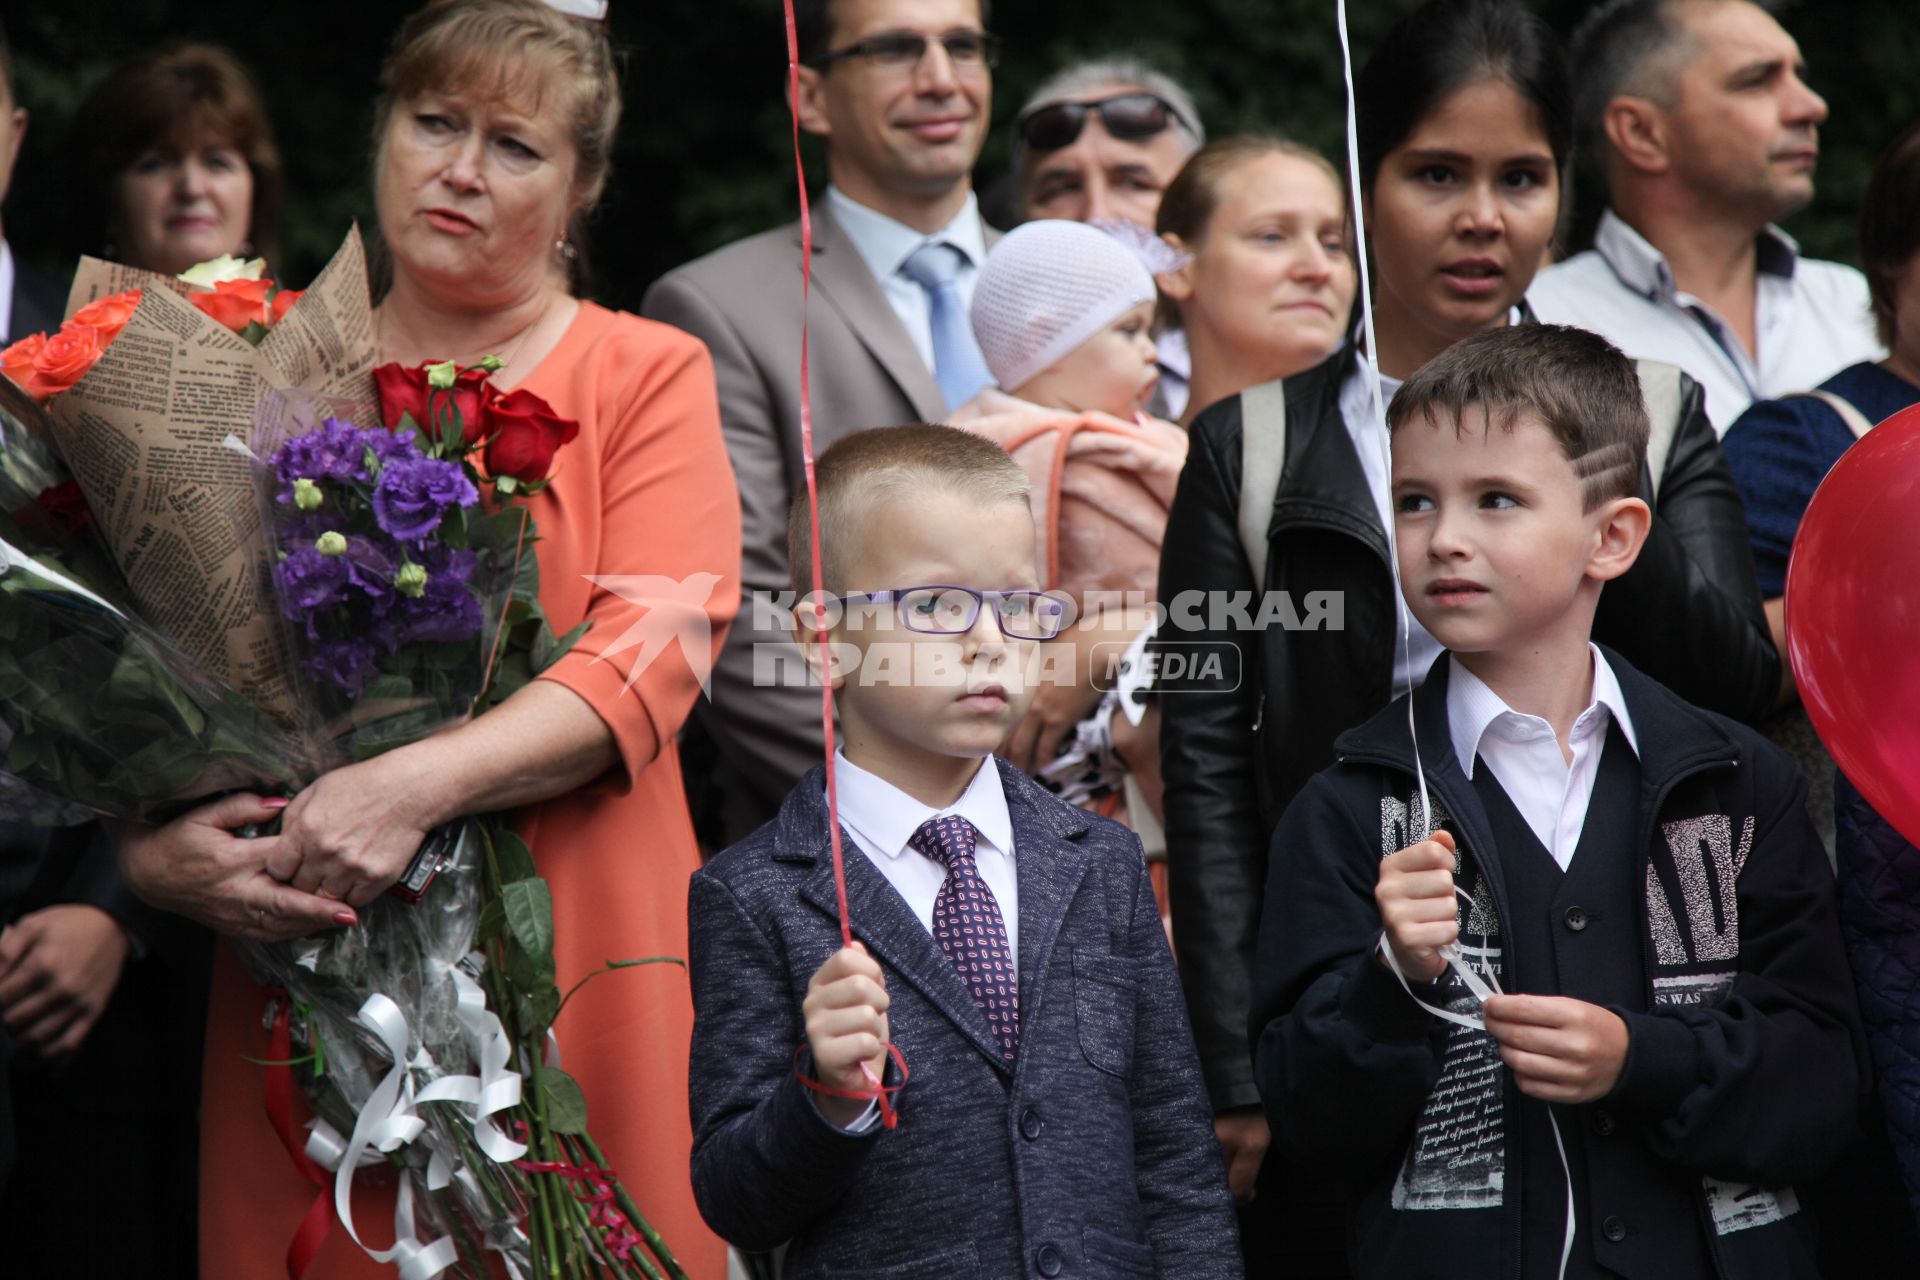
(388,686)
(561,645)
(566,1105)
(513,857)
(492,923)
(254,333)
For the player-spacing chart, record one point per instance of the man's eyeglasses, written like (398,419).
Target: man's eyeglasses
(1129,115)
(902,50)
(948,610)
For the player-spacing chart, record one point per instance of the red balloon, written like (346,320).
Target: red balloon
(1853,617)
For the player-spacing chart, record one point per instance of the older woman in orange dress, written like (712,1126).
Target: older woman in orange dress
(492,142)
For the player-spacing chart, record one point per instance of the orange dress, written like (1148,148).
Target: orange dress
(644,489)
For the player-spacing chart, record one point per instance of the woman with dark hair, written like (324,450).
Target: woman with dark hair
(177,163)
(1267,288)
(1464,132)
(493,139)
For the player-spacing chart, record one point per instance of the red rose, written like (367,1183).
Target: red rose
(236,303)
(17,363)
(404,391)
(527,432)
(109,314)
(283,302)
(65,359)
(66,507)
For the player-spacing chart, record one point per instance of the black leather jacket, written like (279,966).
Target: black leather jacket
(1235,751)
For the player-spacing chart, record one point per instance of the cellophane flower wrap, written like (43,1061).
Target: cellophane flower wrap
(101,710)
(405,571)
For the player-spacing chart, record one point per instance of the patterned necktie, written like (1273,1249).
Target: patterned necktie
(957,364)
(968,927)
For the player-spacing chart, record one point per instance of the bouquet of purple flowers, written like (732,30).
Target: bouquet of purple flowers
(411,601)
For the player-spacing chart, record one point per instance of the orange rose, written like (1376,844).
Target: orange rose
(236,303)
(65,359)
(283,302)
(17,363)
(109,315)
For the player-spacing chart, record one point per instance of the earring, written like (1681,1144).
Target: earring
(563,248)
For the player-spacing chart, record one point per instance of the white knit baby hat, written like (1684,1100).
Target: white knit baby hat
(1046,288)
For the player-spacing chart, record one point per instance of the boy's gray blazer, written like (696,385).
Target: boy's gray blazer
(743,301)
(1093,1156)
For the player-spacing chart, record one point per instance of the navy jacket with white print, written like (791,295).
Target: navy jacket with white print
(1746,1065)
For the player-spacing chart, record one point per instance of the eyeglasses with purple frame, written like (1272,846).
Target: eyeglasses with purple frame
(944,609)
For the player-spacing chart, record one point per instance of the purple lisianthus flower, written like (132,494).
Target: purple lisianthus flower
(309,583)
(346,665)
(414,493)
(331,451)
(446,610)
(369,569)
(391,446)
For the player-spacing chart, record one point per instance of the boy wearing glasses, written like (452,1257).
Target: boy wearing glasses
(1050,1119)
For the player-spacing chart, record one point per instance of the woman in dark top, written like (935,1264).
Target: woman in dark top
(1464,131)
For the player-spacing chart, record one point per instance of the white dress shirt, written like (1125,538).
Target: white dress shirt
(6,294)
(1550,791)
(1369,432)
(881,818)
(885,245)
(1812,318)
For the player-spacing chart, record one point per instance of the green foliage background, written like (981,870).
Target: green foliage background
(704,153)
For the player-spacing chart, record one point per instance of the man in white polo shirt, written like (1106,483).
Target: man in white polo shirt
(1707,132)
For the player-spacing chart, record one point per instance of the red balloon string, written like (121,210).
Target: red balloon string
(875,1090)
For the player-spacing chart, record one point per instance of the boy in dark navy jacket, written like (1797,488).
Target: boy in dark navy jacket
(1054,1122)
(1639,876)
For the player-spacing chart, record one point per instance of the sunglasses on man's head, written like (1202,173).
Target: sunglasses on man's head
(1129,116)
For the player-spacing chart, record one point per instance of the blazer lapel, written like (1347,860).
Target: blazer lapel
(841,276)
(1048,868)
(895,936)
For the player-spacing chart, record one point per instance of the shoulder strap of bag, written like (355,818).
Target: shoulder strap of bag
(1660,389)
(1263,455)
(1856,421)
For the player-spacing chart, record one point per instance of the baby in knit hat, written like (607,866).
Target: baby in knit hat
(1063,313)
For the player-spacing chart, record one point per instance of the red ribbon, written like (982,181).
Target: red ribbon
(877,1090)
(596,1191)
(318,1223)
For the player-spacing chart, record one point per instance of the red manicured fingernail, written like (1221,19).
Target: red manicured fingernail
(275,802)
(345,917)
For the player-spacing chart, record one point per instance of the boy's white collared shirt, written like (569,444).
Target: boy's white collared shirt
(881,818)
(1550,792)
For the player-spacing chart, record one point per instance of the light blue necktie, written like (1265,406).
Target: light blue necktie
(957,364)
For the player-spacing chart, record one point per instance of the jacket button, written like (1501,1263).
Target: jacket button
(1030,1124)
(1603,1123)
(1048,1260)
(1576,918)
(1614,1229)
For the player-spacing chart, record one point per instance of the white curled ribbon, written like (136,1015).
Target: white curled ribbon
(386,1123)
(1484,989)
(493,1090)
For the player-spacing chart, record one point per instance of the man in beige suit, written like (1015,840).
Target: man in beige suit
(901,91)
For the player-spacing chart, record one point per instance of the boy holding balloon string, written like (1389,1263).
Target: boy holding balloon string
(1593,1018)
(1050,1114)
